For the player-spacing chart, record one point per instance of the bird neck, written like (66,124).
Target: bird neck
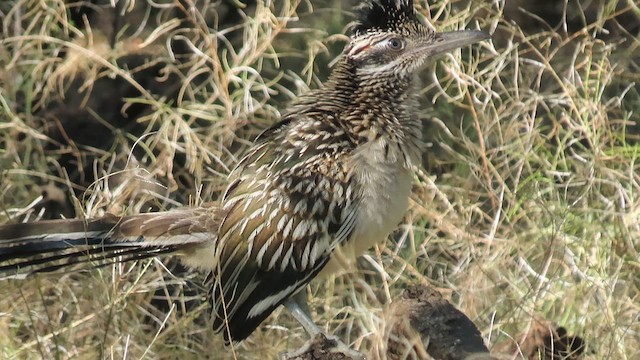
(377,107)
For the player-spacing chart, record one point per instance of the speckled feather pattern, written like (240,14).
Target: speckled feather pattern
(325,183)
(385,15)
(331,178)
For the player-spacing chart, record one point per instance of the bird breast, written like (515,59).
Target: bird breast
(385,185)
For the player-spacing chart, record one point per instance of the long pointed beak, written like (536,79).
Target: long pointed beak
(447,41)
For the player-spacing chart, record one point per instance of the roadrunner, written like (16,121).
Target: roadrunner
(330,179)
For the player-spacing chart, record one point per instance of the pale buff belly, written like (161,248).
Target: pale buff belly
(386,199)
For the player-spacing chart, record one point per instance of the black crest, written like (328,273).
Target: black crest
(385,15)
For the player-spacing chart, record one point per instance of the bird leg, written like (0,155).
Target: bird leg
(298,307)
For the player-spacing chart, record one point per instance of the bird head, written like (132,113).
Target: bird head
(390,39)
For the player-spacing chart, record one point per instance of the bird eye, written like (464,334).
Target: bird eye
(396,43)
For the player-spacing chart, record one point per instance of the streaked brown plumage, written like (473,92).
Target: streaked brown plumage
(318,188)
(31,248)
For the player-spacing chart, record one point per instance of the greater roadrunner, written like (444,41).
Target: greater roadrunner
(318,188)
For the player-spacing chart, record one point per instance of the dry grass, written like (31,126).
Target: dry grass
(528,207)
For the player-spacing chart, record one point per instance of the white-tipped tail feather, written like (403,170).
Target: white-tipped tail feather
(56,245)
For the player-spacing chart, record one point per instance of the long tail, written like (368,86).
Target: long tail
(47,246)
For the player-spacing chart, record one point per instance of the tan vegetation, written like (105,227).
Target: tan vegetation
(527,209)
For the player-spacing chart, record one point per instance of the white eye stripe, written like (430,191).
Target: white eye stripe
(357,49)
(360,46)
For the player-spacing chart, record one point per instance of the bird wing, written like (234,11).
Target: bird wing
(291,203)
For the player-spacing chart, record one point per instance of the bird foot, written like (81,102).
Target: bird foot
(323,347)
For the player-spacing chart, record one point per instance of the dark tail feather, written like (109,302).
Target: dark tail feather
(59,245)
(91,258)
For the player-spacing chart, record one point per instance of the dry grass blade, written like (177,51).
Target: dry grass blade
(528,207)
